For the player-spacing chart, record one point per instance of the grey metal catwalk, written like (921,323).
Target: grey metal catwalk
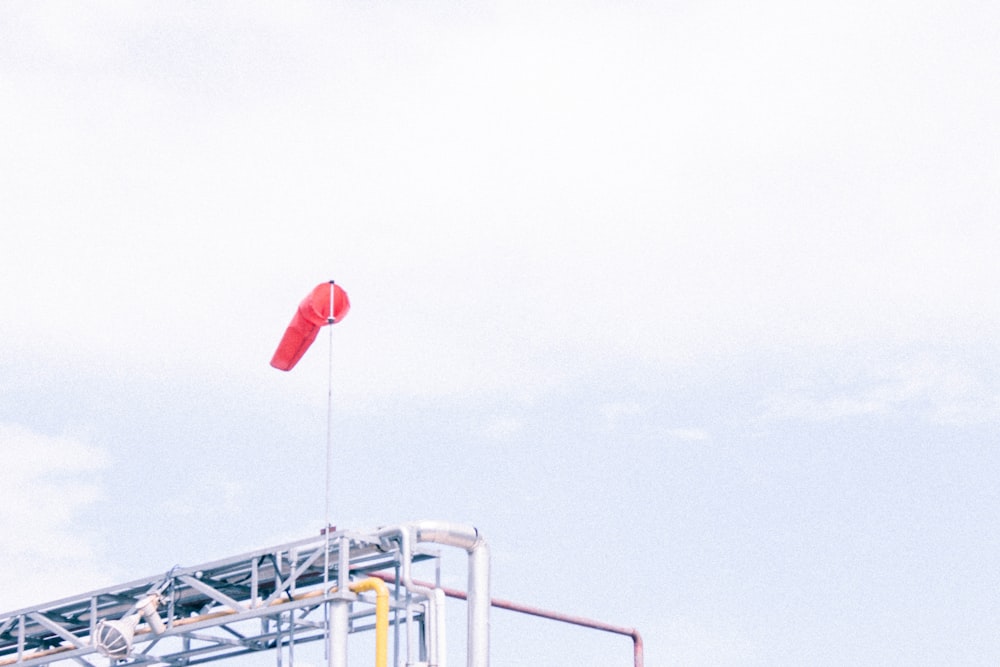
(268,599)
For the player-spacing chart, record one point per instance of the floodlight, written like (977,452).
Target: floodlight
(113,639)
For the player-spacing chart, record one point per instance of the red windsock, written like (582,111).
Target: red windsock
(313,313)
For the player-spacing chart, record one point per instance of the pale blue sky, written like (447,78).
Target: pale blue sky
(688,306)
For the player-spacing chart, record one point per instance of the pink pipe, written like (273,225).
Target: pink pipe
(543,613)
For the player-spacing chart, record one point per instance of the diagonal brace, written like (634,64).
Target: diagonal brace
(49,624)
(216,595)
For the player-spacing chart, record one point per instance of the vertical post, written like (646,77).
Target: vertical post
(330,319)
(20,638)
(340,605)
(423,629)
(337,647)
(326,498)
(442,646)
(479,605)
(254,584)
(395,615)
(277,641)
(329,441)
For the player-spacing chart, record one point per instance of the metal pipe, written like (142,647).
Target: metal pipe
(436,629)
(405,556)
(410,632)
(339,619)
(381,616)
(464,537)
(340,605)
(637,646)
(467,537)
(406,538)
(479,605)
(442,646)
(581,621)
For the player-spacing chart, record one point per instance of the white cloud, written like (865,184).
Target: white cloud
(510,193)
(700,641)
(223,497)
(501,428)
(942,389)
(50,481)
(614,413)
(688,434)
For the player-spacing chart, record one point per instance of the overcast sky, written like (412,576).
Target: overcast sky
(689,307)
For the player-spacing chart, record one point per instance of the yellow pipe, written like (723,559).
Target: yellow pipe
(381,615)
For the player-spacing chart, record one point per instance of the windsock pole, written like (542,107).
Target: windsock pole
(329,422)
(326,501)
(300,334)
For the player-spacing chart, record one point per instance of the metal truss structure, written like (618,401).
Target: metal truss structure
(314,589)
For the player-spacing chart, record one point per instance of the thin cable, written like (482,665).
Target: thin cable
(329,439)
(329,414)
(329,424)
(329,458)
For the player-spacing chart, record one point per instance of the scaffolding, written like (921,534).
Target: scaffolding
(323,588)
(320,588)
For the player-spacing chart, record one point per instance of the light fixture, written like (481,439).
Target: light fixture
(114,638)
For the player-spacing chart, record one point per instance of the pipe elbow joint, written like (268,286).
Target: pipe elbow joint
(460,535)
